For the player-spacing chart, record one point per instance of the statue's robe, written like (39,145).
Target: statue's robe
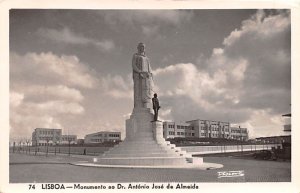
(143,86)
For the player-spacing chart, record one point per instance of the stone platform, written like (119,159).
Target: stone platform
(145,146)
(203,166)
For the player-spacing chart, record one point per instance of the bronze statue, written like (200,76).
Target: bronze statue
(156,106)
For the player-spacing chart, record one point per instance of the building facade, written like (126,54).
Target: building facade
(46,136)
(203,129)
(275,139)
(239,133)
(172,130)
(66,139)
(102,136)
(210,129)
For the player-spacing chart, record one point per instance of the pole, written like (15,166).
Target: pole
(69,147)
(47,148)
(14,147)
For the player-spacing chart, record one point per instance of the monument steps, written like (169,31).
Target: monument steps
(137,151)
(148,149)
(126,155)
(143,161)
(136,148)
(133,149)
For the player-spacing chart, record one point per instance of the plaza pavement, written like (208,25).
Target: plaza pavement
(29,168)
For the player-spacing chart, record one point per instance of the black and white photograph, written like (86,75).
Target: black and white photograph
(149,98)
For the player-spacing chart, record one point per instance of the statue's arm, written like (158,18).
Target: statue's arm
(134,62)
(150,69)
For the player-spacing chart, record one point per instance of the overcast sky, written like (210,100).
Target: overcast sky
(71,69)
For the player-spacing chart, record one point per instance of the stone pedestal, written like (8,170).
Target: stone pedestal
(157,129)
(144,145)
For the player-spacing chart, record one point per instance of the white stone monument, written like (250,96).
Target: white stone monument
(144,145)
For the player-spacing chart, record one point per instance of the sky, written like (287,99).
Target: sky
(71,69)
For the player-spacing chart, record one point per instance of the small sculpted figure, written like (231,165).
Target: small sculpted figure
(156,106)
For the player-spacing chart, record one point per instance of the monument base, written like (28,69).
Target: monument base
(145,146)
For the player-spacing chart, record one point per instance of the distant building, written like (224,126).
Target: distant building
(44,136)
(287,127)
(80,141)
(102,136)
(203,129)
(66,139)
(275,139)
(172,130)
(210,129)
(239,133)
(47,136)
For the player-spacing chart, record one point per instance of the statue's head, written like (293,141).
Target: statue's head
(141,47)
(155,95)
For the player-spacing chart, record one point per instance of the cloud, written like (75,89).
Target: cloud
(192,93)
(261,123)
(53,92)
(22,125)
(247,81)
(189,81)
(45,68)
(116,87)
(173,17)
(15,98)
(150,30)
(260,26)
(54,107)
(264,42)
(45,87)
(65,35)
(149,22)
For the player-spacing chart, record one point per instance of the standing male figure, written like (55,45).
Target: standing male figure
(155,106)
(142,78)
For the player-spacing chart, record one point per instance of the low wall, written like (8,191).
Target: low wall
(194,150)
(201,150)
(81,150)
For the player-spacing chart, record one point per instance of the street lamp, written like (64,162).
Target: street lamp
(14,147)
(27,142)
(69,140)
(47,139)
(35,144)
(241,138)
(20,146)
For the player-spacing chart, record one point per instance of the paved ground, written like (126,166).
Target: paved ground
(28,168)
